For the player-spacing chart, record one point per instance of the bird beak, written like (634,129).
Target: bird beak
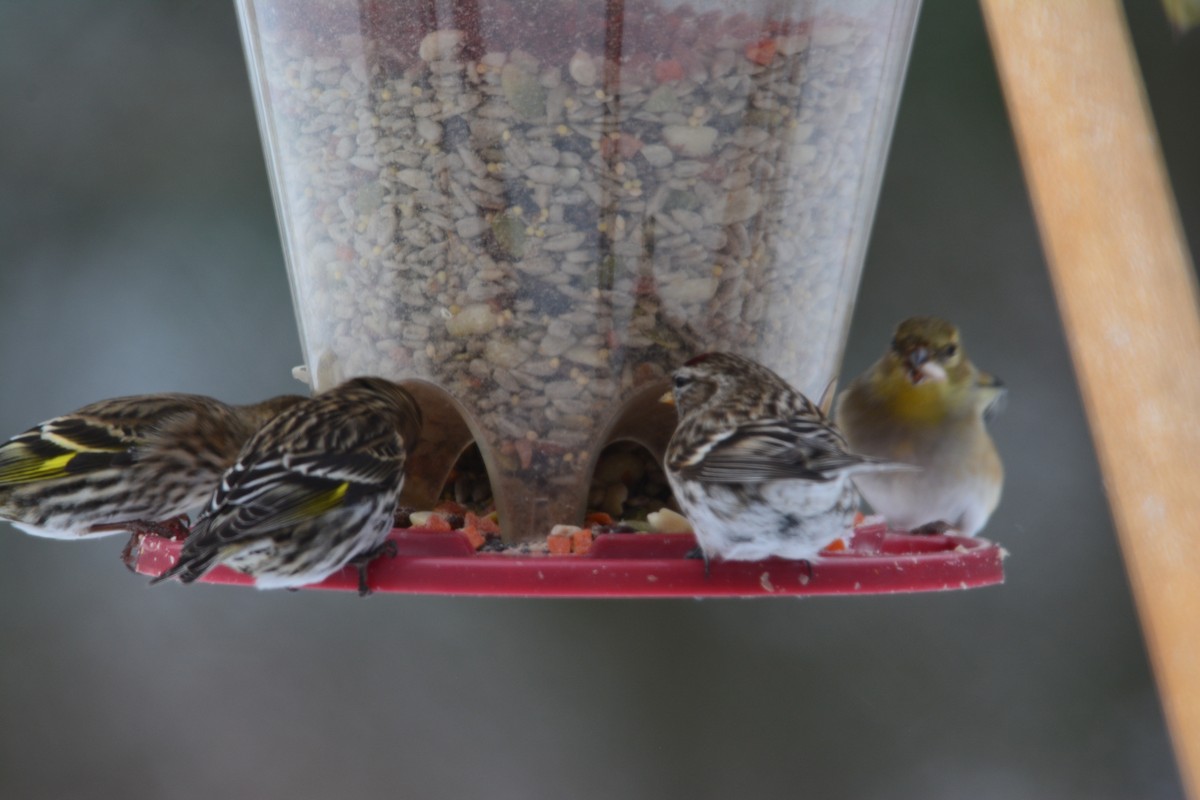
(933,371)
(668,398)
(921,367)
(917,359)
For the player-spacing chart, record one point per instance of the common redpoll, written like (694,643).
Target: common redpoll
(925,403)
(315,489)
(123,463)
(756,467)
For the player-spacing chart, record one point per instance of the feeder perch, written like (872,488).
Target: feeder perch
(1126,290)
(875,561)
(530,213)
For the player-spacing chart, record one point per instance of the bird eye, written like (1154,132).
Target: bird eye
(949,351)
(681,381)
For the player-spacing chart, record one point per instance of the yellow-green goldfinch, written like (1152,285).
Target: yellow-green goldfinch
(925,403)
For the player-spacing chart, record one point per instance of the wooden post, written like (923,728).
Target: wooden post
(1127,293)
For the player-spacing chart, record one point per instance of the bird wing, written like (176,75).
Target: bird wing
(992,392)
(768,450)
(828,396)
(63,446)
(283,490)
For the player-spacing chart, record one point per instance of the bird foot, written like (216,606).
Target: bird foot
(173,528)
(127,555)
(932,529)
(362,561)
(697,552)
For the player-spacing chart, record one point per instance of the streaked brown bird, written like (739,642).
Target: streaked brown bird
(314,490)
(125,463)
(756,467)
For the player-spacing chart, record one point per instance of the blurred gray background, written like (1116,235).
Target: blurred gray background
(140,254)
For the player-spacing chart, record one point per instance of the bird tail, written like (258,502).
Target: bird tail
(845,463)
(865,464)
(194,559)
(190,566)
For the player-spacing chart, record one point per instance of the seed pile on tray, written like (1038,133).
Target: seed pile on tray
(629,494)
(543,223)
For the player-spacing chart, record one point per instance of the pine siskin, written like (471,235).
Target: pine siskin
(315,489)
(123,463)
(755,466)
(925,403)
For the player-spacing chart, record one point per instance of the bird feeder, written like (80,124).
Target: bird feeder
(531,211)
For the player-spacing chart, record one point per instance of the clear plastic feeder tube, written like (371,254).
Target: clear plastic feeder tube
(531,211)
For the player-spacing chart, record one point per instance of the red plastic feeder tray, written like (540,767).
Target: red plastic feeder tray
(876,561)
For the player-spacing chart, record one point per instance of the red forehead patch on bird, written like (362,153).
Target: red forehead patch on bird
(700,359)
